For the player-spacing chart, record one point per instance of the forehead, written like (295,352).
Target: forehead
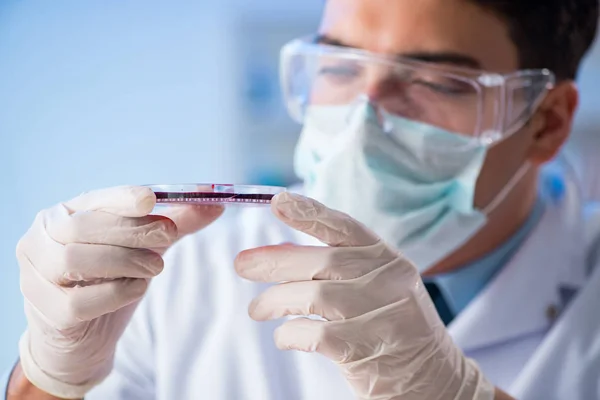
(422,26)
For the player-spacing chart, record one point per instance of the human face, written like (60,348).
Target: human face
(453,33)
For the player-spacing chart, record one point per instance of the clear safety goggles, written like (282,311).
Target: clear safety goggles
(486,107)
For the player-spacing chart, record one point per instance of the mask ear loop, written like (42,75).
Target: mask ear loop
(516,178)
(526,166)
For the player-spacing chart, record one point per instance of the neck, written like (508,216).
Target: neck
(502,223)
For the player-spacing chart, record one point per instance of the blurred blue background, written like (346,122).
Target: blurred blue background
(107,92)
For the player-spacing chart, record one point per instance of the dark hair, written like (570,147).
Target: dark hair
(552,34)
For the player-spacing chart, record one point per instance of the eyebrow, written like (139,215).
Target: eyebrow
(438,57)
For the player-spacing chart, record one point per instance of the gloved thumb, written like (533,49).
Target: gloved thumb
(331,227)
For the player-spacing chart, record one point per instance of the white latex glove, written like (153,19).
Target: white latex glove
(84,266)
(381,326)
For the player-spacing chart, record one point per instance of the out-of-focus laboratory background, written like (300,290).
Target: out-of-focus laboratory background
(101,93)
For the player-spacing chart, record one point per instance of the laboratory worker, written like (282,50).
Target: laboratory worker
(438,248)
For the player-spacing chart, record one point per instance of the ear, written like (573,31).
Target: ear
(553,121)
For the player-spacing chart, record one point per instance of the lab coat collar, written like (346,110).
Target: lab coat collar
(528,293)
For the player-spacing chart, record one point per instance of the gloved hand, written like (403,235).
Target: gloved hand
(84,265)
(381,326)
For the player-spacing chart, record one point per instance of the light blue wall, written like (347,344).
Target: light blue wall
(100,93)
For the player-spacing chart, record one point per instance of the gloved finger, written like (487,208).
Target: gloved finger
(333,300)
(189,218)
(91,262)
(90,302)
(313,218)
(99,227)
(66,307)
(302,263)
(338,300)
(398,328)
(310,336)
(76,262)
(301,298)
(126,201)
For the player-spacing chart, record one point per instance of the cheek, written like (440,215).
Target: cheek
(501,163)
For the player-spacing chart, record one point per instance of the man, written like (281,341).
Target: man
(427,121)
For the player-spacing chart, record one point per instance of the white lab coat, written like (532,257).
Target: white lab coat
(191,337)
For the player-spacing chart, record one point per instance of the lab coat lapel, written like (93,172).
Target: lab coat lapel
(527,294)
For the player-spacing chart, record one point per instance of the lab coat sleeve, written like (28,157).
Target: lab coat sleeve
(132,376)
(567,365)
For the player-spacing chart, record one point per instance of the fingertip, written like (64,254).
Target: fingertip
(139,287)
(261,310)
(166,225)
(278,338)
(238,263)
(127,201)
(157,263)
(279,197)
(213,211)
(276,205)
(144,199)
(175,211)
(289,206)
(191,218)
(295,335)
(253,310)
